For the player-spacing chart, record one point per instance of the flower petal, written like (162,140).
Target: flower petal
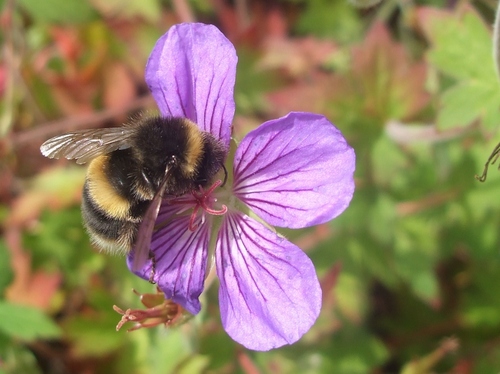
(191,73)
(269,293)
(295,171)
(180,262)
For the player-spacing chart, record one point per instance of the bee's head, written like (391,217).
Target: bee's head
(155,168)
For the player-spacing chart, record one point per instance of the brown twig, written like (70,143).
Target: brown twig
(44,131)
(407,208)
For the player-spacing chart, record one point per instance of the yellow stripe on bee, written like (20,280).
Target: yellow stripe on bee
(194,149)
(120,247)
(102,192)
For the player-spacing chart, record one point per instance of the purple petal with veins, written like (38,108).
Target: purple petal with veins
(181,260)
(295,171)
(269,293)
(191,73)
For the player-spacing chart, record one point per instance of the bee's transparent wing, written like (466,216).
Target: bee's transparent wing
(85,145)
(145,233)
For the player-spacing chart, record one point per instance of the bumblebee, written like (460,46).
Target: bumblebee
(131,168)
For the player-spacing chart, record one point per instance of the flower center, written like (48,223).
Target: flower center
(203,199)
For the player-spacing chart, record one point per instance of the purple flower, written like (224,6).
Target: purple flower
(294,172)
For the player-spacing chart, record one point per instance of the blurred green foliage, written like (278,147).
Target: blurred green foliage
(409,271)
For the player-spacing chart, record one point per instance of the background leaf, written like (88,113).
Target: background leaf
(59,11)
(26,323)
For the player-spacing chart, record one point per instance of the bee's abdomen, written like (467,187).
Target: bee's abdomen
(108,233)
(111,219)
(103,193)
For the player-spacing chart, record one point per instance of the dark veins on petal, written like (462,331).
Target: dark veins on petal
(165,100)
(285,207)
(180,256)
(181,98)
(243,252)
(271,163)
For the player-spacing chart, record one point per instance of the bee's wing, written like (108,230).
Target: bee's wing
(145,233)
(85,145)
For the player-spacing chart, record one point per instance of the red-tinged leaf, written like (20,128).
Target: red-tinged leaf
(461,43)
(383,73)
(242,125)
(328,283)
(297,57)
(252,23)
(311,240)
(119,88)
(463,366)
(311,95)
(36,290)
(72,101)
(228,19)
(247,364)
(55,188)
(66,40)
(427,18)
(31,289)
(3,79)
(461,48)
(382,83)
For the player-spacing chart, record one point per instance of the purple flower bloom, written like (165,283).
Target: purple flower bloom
(294,172)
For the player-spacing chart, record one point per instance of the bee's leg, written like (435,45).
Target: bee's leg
(153,268)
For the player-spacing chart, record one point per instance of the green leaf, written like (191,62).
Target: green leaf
(354,351)
(488,361)
(147,9)
(389,163)
(196,364)
(462,50)
(219,347)
(416,254)
(325,18)
(252,83)
(55,243)
(481,300)
(462,47)
(6,274)
(59,11)
(18,359)
(351,296)
(425,285)
(85,331)
(174,353)
(26,323)
(468,100)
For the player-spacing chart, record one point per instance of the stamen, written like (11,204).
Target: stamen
(200,199)
(193,226)
(159,311)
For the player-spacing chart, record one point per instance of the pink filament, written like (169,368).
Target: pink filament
(201,199)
